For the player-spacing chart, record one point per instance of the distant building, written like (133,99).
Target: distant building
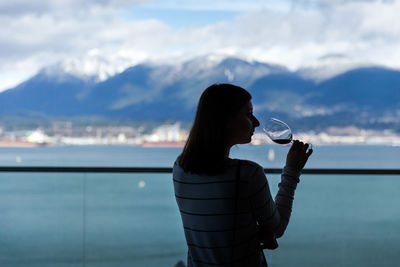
(38,137)
(166,135)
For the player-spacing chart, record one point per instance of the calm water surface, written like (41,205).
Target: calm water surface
(53,219)
(133,156)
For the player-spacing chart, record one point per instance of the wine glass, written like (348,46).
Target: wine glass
(277,131)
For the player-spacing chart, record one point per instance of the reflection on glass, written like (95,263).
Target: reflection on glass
(277,131)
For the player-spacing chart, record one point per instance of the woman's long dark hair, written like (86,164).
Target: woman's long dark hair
(204,152)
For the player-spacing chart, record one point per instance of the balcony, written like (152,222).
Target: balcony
(79,216)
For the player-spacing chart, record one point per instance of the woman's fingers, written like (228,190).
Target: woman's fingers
(298,154)
(301,146)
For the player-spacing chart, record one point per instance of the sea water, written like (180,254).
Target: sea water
(110,219)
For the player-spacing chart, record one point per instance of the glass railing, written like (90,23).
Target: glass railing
(128,217)
(342,220)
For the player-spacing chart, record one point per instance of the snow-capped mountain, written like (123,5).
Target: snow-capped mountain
(159,92)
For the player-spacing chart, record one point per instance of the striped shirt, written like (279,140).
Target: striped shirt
(207,208)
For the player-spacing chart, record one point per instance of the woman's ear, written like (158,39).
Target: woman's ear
(229,123)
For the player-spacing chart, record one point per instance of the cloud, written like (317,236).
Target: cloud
(97,37)
(66,7)
(365,32)
(224,5)
(333,3)
(42,37)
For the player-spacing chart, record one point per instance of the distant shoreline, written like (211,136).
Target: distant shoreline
(20,144)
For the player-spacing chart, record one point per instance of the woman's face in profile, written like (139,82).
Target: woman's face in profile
(241,128)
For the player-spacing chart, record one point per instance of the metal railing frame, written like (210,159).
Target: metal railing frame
(86,169)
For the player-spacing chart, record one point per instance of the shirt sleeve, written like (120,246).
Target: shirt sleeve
(269,213)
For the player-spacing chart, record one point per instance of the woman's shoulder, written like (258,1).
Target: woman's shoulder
(249,170)
(247,164)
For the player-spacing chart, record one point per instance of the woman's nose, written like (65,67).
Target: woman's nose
(255,122)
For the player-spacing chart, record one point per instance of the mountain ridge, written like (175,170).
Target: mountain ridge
(162,92)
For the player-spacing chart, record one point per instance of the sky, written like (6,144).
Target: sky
(104,37)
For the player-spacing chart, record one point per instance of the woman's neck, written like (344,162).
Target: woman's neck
(227,152)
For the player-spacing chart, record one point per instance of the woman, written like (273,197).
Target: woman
(225,204)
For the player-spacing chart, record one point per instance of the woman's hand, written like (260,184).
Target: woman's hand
(298,155)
